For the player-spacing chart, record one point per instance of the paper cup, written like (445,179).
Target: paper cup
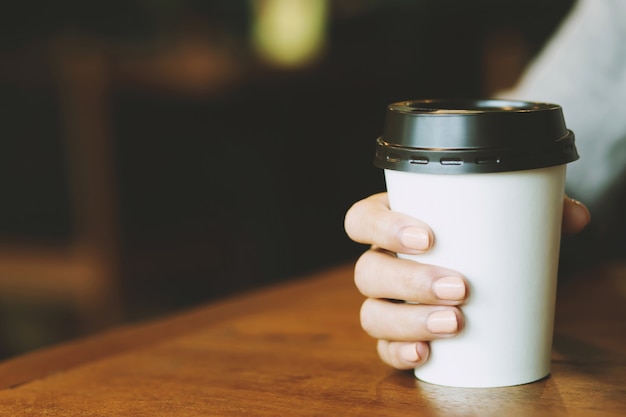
(488,178)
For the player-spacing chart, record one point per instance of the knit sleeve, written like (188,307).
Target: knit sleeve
(583,68)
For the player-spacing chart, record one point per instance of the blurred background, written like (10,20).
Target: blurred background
(159,154)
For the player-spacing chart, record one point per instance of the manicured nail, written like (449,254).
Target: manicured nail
(408,353)
(574,201)
(581,211)
(415,238)
(449,288)
(442,322)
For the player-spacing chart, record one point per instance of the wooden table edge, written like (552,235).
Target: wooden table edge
(50,360)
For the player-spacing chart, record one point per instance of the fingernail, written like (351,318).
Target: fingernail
(574,201)
(415,238)
(581,210)
(442,322)
(408,353)
(449,288)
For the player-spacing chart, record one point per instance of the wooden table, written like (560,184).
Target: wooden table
(298,349)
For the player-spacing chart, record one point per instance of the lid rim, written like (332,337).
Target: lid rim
(468,161)
(463,135)
(467,107)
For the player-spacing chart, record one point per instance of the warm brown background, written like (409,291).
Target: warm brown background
(178,167)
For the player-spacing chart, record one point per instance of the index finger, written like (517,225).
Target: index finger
(372,222)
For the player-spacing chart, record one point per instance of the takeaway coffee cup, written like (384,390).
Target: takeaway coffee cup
(488,177)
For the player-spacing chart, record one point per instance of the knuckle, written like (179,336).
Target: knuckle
(368,322)
(362,267)
(389,353)
(382,348)
(352,219)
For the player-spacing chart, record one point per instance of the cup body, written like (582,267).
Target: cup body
(502,232)
(488,178)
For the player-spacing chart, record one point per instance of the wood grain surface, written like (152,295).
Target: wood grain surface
(297,349)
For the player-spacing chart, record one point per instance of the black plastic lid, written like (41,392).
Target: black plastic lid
(473,136)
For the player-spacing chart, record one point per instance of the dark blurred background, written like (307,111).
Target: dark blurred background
(156,155)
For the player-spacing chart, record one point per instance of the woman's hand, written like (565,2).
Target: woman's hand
(403,329)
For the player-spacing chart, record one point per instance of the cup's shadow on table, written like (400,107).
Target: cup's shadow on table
(528,399)
(574,360)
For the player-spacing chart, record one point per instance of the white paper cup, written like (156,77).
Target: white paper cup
(500,227)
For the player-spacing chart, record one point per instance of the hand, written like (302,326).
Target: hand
(403,330)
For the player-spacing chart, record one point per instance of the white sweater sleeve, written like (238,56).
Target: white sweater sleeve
(583,68)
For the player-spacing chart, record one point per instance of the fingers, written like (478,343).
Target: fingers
(403,329)
(370,221)
(378,274)
(403,355)
(575,216)
(432,292)
(406,322)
